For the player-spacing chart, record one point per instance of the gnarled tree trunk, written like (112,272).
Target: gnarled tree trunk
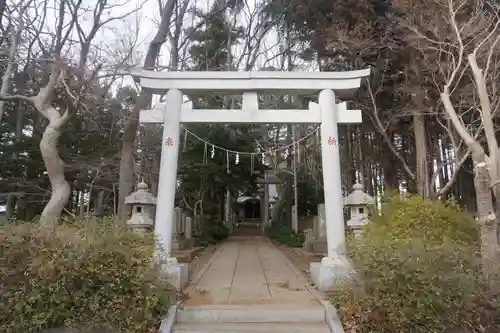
(55,167)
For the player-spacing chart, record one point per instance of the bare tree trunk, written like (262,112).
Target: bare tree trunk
(349,175)
(441,153)
(422,173)
(486,214)
(2,9)
(126,181)
(10,206)
(361,161)
(371,177)
(12,53)
(99,207)
(11,199)
(483,177)
(55,169)
(289,180)
(155,166)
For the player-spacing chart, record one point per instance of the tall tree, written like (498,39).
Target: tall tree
(64,86)
(463,36)
(205,179)
(128,152)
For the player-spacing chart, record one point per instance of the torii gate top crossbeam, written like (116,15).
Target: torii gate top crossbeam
(234,82)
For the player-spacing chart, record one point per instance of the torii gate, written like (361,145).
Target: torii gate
(326,113)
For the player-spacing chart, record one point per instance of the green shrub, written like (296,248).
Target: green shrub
(285,235)
(212,231)
(92,275)
(418,270)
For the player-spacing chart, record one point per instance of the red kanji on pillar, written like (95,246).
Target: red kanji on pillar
(331,141)
(169,142)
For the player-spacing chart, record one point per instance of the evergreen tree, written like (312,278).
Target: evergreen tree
(211,50)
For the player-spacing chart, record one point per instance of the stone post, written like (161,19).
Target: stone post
(295,220)
(262,208)
(266,204)
(308,240)
(183,230)
(320,232)
(189,228)
(177,229)
(178,221)
(188,232)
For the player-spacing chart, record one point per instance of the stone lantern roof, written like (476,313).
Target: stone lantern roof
(141,196)
(358,197)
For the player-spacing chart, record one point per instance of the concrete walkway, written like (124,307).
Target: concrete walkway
(249,271)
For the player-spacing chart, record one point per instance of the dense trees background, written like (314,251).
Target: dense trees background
(406,140)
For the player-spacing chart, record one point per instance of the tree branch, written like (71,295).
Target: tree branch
(382,132)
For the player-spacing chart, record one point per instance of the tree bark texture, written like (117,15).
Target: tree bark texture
(422,164)
(55,169)
(126,179)
(486,216)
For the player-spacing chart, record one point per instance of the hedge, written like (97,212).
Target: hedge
(284,234)
(84,276)
(418,270)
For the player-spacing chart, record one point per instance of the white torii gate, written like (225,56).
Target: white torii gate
(327,113)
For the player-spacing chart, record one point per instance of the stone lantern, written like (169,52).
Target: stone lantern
(143,208)
(358,202)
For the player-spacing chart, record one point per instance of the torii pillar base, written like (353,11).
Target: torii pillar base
(176,273)
(331,273)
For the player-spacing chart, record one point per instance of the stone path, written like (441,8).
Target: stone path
(249,271)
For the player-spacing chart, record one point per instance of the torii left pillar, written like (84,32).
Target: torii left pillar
(164,219)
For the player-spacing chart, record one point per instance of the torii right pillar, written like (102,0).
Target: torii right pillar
(335,266)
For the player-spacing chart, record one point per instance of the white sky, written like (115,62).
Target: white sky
(145,22)
(115,38)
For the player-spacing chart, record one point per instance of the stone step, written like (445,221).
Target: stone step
(251,328)
(252,314)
